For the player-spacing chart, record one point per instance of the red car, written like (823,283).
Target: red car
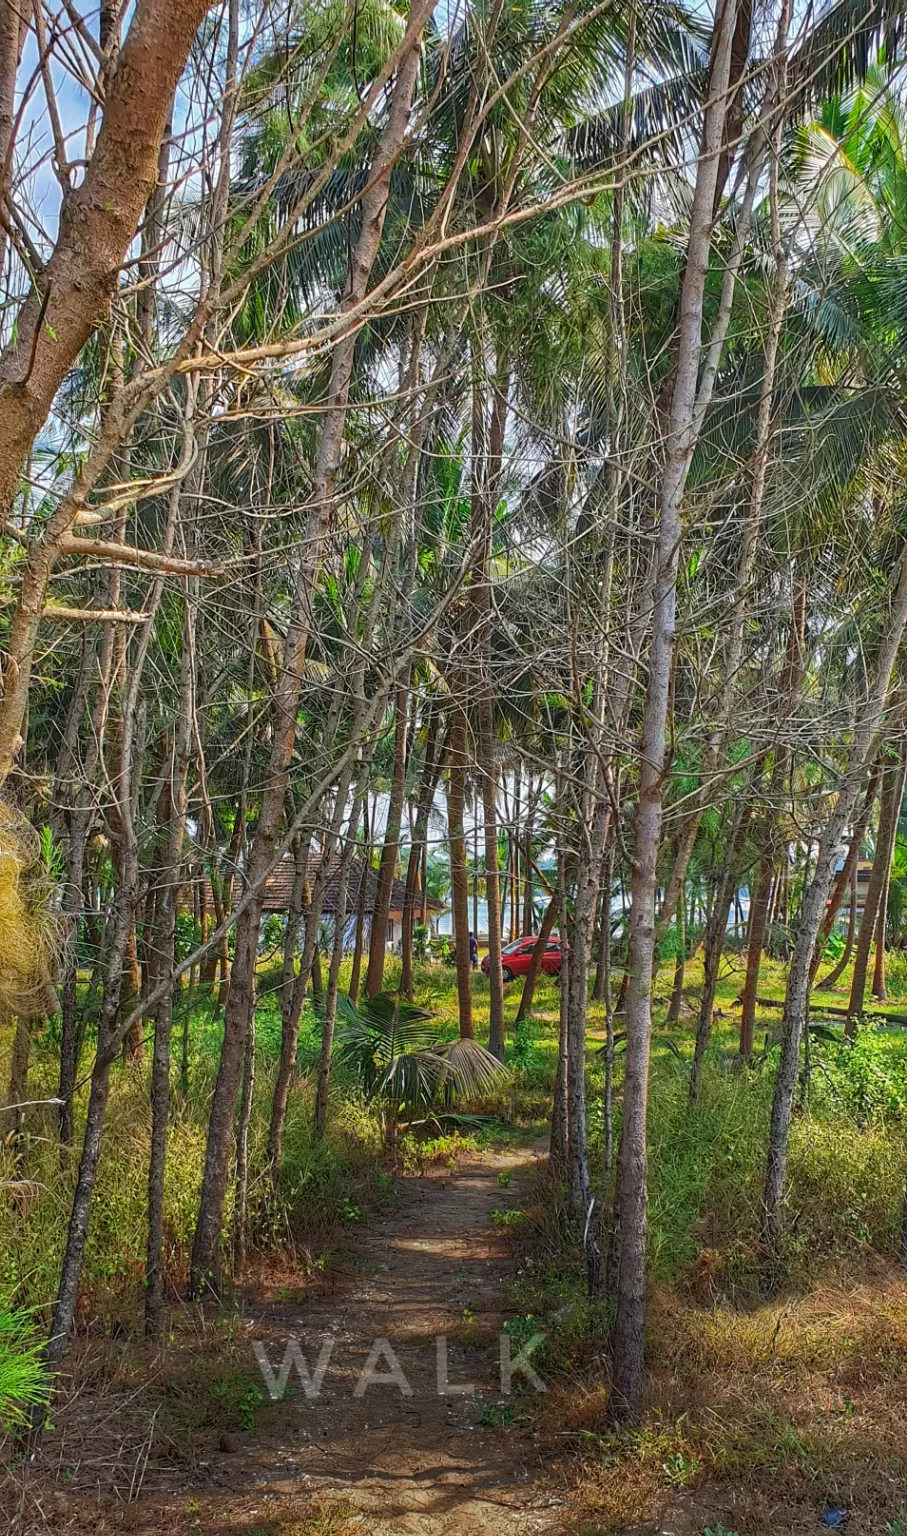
(516,957)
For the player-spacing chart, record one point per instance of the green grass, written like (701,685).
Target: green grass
(745,1388)
(847,1155)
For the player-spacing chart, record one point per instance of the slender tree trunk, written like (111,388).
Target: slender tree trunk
(796,1004)
(377,951)
(585,904)
(168,904)
(12,35)
(560,1109)
(310,965)
(716,936)
(889,807)
(513,856)
(833,976)
(365,880)
(632,1192)
(309,556)
(330,1001)
(603,958)
(608,1107)
(487,452)
(878,981)
(241,1206)
(70,1030)
(293,932)
(17,1092)
(528,915)
(535,962)
(459,887)
(759,909)
(846,878)
(430,774)
(673,1016)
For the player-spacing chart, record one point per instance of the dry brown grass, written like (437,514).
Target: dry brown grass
(762,1418)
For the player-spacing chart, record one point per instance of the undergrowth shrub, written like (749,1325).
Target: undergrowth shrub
(322,1179)
(22,1379)
(846,1188)
(706,1164)
(866,1076)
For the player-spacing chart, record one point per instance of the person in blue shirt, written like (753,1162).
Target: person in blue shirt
(473,952)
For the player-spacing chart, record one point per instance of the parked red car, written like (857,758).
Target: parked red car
(516,957)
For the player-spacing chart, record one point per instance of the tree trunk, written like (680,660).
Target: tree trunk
(330,1001)
(889,807)
(528,914)
(365,880)
(560,1110)
(309,966)
(632,1192)
(377,950)
(430,774)
(487,455)
(72,295)
(796,1004)
(673,1016)
(241,1205)
(879,990)
(847,877)
(309,557)
(70,1024)
(12,36)
(831,979)
(715,941)
(459,885)
(608,1104)
(532,975)
(17,1092)
(168,905)
(293,933)
(603,957)
(878,981)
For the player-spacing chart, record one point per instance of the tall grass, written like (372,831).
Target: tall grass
(321,1179)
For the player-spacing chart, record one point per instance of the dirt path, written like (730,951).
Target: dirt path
(449,1465)
(410,1462)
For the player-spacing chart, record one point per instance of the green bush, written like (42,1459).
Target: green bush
(22,1380)
(866,1076)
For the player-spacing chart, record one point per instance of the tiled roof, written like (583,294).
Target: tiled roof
(279,887)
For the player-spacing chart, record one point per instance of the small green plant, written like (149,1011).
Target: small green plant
(508,1219)
(504,1177)
(521,1329)
(680,1469)
(494,1414)
(385,1193)
(718,1530)
(244,1408)
(351,1212)
(22,1381)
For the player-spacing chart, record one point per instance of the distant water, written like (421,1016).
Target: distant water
(445,924)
